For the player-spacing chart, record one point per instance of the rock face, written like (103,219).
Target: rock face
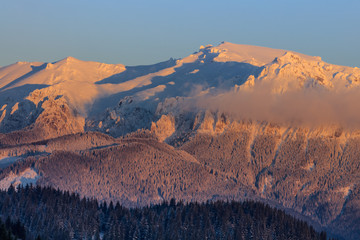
(229,122)
(164,127)
(53,117)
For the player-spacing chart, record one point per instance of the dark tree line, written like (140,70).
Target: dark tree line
(12,230)
(53,214)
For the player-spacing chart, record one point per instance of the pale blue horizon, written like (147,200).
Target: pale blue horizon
(142,32)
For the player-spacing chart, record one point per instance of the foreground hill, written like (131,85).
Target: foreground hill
(76,218)
(311,176)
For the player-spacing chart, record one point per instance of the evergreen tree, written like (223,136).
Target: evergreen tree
(55,215)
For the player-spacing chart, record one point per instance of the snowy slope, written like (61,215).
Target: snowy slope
(215,73)
(26,177)
(71,77)
(117,99)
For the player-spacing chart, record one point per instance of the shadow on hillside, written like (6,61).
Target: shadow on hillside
(19,93)
(133,72)
(34,70)
(185,81)
(26,110)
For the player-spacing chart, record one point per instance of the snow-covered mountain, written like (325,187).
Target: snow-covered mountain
(228,121)
(119,99)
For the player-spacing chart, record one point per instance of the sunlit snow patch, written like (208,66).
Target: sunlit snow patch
(194,71)
(346,191)
(309,167)
(28,176)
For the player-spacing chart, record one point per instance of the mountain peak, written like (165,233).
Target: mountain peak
(293,57)
(70,58)
(255,55)
(288,57)
(67,60)
(205,47)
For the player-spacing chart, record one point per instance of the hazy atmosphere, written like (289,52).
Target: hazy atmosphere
(166,119)
(146,32)
(308,107)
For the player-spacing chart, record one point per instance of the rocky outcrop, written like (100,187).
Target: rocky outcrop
(164,127)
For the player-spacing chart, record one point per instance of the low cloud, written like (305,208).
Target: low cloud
(309,106)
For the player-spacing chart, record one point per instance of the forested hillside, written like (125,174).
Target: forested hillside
(312,175)
(12,231)
(53,214)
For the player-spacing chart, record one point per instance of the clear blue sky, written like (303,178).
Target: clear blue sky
(136,32)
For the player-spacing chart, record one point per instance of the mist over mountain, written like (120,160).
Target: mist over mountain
(266,84)
(306,108)
(227,122)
